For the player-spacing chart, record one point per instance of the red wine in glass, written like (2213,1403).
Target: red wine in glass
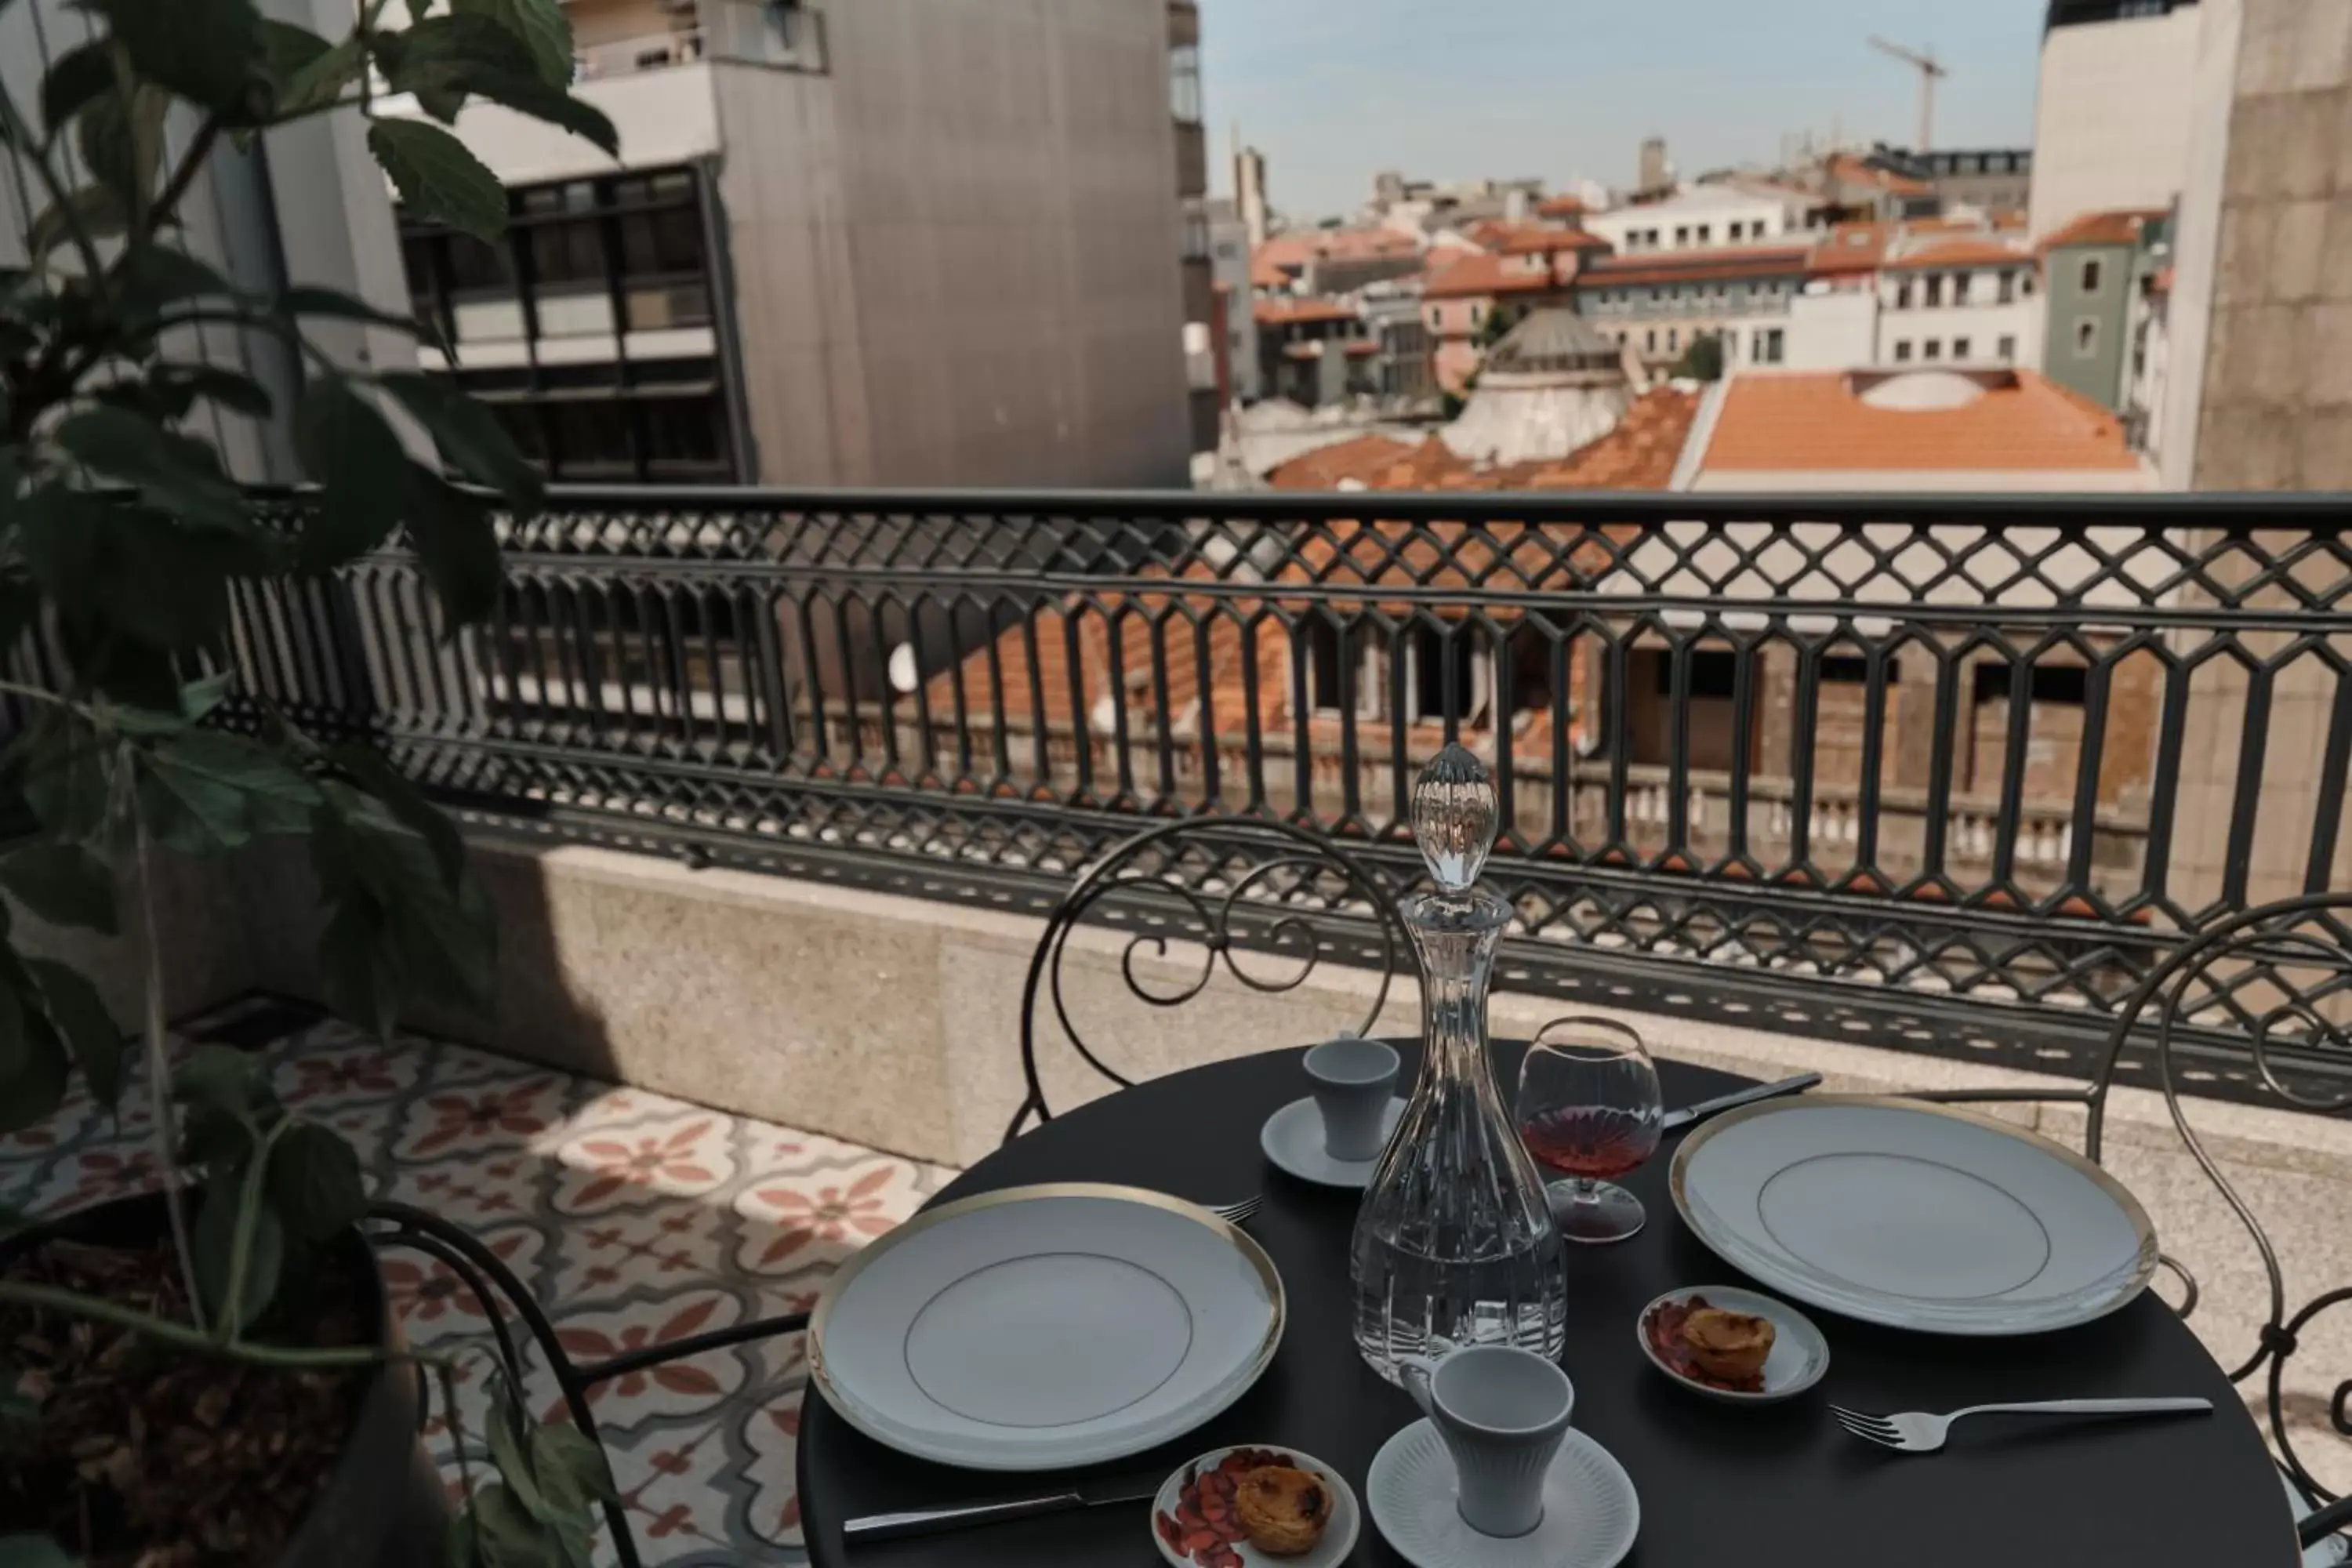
(1593,1141)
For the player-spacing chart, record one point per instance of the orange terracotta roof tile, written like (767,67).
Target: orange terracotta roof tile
(1697,266)
(1359,458)
(1853,170)
(1850,247)
(1962,253)
(1292,312)
(1484,273)
(1265,273)
(1541,241)
(1813,421)
(2119,227)
(1560,206)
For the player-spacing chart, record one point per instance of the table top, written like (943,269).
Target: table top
(1762,1485)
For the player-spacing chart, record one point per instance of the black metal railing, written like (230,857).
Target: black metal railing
(1943,773)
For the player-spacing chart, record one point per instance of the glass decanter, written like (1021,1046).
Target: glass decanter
(1456,1236)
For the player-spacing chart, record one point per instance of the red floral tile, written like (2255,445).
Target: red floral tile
(662,1249)
(481,1119)
(674,1388)
(772,1435)
(795,1222)
(432,1302)
(614,1167)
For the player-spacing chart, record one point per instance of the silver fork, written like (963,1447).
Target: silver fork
(1235,1214)
(1917,1432)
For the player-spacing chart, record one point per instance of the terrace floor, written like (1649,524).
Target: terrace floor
(633,1219)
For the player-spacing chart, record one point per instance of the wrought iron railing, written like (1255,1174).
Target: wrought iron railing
(1935,773)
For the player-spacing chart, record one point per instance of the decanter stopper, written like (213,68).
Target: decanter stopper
(1453,819)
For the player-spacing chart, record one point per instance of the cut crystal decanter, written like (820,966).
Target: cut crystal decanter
(1456,1237)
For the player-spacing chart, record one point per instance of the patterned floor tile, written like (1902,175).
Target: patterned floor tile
(633,1219)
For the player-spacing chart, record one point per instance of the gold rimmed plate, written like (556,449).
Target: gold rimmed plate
(1914,1216)
(1041,1327)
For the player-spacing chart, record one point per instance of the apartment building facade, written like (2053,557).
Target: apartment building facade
(836,251)
(1655,306)
(1967,301)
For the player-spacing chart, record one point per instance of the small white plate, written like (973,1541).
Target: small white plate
(1800,1352)
(1339,1536)
(1591,1511)
(1293,1138)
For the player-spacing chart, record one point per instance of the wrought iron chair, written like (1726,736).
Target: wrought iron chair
(1226,883)
(2268,978)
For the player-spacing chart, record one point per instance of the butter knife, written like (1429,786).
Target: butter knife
(1675,1120)
(933,1521)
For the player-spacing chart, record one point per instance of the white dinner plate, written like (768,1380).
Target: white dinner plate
(1041,1327)
(1914,1216)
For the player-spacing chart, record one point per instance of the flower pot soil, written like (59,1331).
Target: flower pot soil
(150,1456)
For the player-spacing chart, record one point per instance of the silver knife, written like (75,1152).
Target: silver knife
(1677,1119)
(932,1520)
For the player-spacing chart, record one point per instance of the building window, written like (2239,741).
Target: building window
(1770,345)
(1477,312)
(1437,687)
(2006,348)
(2006,289)
(2091,275)
(1734,230)
(1650,341)
(1682,234)
(1705,233)
(1185,83)
(2086,337)
(1934,290)
(1960,288)
(1673,339)
(1343,657)
(1933,349)
(1903,351)
(1903,295)
(2025,286)
(1959,347)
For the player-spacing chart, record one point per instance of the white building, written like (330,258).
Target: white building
(1968,301)
(2110,129)
(1702,218)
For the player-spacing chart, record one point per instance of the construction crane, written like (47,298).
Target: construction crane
(1925,62)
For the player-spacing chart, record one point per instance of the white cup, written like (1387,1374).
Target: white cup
(1351,1080)
(1502,1413)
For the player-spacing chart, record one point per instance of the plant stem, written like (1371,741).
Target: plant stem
(200,149)
(249,1213)
(21,136)
(163,1330)
(38,694)
(164,1120)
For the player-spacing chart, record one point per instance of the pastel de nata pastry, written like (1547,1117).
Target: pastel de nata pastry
(1728,1347)
(1282,1508)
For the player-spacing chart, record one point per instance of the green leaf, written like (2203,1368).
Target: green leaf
(238,393)
(125,146)
(33,1552)
(438,178)
(314,1183)
(89,1029)
(311,300)
(79,75)
(446,945)
(505,1535)
(177,473)
(154,276)
(134,571)
(239,788)
(529,95)
(469,436)
(201,696)
(442,51)
(202,49)
(369,768)
(573,1467)
(33,1067)
(63,884)
(355,979)
(543,27)
(366,480)
(510,1452)
(458,548)
(215,1246)
(317,80)
(226,1078)
(97,210)
(64,771)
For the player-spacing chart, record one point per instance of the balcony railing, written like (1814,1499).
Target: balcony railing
(1937,774)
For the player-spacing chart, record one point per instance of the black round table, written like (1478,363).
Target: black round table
(1751,1486)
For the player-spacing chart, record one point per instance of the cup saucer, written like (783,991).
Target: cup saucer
(1591,1512)
(1293,1138)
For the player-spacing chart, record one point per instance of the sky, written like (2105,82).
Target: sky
(1333,91)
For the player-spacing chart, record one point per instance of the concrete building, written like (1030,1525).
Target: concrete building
(1702,218)
(1654,307)
(1550,386)
(2099,267)
(1970,301)
(835,252)
(1229,270)
(2109,126)
(1249,191)
(1989,179)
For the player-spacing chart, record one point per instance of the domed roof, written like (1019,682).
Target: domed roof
(1550,339)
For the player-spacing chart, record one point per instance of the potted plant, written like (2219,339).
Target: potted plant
(208,1374)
